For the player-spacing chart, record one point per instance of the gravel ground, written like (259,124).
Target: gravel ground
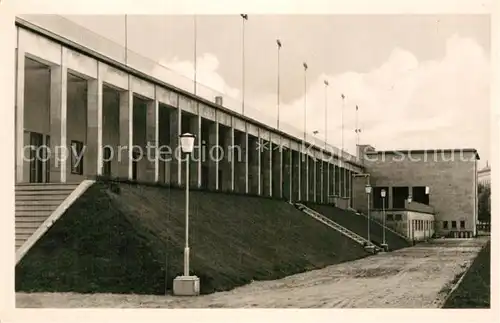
(415,277)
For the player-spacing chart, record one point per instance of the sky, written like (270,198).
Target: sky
(420,81)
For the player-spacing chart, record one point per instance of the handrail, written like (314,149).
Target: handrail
(350,234)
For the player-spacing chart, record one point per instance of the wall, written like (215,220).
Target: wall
(405,223)
(450,176)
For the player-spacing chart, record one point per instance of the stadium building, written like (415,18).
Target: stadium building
(76,97)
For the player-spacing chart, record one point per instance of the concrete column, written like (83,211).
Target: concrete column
(336,179)
(152,164)
(349,187)
(195,161)
(344,180)
(20,70)
(312,179)
(172,168)
(58,112)
(315,179)
(93,154)
(225,139)
(290,174)
(304,184)
(246,160)
(307,185)
(326,174)
(270,156)
(126,135)
(286,169)
(233,155)
(322,180)
(277,171)
(325,181)
(298,173)
(240,162)
(259,163)
(253,165)
(199,146)
(342,183)
(295,170)
(213,155)
(265,165)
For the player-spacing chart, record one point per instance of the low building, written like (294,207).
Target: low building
(445,180)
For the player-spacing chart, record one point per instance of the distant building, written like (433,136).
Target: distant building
(439,182)
(483,175)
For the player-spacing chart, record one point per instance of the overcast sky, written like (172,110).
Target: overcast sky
(421,81)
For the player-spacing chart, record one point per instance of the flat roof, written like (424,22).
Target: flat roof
(425,151)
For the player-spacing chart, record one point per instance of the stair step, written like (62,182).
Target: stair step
(30,218)
(318,216)
(22,213)
(52,186)
(40,197)
(27,202)
(35,208)
(43,192)
(28,225)
(24,232)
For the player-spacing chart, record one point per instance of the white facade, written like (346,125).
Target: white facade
(67,95)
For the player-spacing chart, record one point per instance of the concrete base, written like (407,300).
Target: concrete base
(186,286)
(385,246)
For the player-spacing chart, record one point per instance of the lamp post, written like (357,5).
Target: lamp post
(382,194)
(187,285)
(368,191)
(278,42)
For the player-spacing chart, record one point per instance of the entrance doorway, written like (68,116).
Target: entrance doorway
(39,159)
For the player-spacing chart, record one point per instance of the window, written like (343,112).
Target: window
(398,217)
(462,224)
(390,217)
(76,157)
(445,224)
(399,196)
(453,224)
(418,195)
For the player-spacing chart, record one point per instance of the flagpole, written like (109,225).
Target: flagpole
(357,130)
(195,52)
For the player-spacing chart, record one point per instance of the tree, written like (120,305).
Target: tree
(484,203)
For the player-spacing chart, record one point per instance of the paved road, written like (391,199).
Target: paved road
(416,277)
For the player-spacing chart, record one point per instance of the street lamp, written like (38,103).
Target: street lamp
(382,194)
(186,285)
(368,191)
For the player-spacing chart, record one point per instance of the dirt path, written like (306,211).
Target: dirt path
(409,278)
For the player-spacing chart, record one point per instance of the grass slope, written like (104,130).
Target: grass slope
(474,290)
(358,224)
(119,238)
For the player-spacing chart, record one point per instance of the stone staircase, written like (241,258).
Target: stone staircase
(38,206)
(382,225)
(368,245)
